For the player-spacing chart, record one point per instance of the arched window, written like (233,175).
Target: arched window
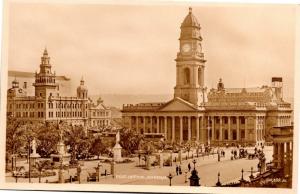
(186,76)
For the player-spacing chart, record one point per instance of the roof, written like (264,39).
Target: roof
(248,90)
(190,20)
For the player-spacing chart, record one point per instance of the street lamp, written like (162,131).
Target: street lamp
(251,176)
(242,179)
(170,178)
(194,162)
(218,183)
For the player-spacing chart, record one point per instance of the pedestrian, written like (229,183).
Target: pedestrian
(189,167)
(177,170)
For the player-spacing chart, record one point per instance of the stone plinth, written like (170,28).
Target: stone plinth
(117,151)
(61,157)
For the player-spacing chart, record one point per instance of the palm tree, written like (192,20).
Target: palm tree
(41,165)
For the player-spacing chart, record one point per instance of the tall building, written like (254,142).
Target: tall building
(48,105)
(219,116)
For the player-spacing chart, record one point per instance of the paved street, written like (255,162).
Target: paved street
(207,167)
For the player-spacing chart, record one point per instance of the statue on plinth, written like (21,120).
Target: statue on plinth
(62,157)
(117,149)
(34,155)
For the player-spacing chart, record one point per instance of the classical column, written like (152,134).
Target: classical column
(213,128)
(144,122)
(130,120)
(275,154)
(197,128)
(221,129)
(282,154)
(137,123)
(246,129)
(181,129)
(237,128)
(255,129)
(229,128)
(287,159)
(189,128)
(157,125)
(173,129)
(166,125)
(151,123)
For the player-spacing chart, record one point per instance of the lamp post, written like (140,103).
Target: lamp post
(251,176)
(242,179)
(29,160)
(170,178)
(218,184)
(194,162)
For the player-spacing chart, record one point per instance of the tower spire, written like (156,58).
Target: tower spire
(190,10)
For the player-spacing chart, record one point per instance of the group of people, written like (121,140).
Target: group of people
(179,171)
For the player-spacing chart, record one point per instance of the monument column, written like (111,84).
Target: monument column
(157,124)
(197,129)
(181,130)
(189,128)
(173,128)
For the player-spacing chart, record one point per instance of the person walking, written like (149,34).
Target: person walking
(177,170)
(189,167)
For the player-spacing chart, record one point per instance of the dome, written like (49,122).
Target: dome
(190,20)
(82,87)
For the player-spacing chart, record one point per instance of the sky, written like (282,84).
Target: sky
(130,49)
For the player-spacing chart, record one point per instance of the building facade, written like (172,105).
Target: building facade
(48,105)
(218,116)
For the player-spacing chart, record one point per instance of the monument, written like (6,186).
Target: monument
(62,157)
(117,150)
(34,156)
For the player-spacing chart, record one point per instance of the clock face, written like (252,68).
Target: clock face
(186,48)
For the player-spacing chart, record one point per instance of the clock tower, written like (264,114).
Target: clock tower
(190,63)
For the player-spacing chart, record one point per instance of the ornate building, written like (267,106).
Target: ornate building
(220,116)
(48,105)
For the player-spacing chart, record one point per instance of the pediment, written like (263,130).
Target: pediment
(178,104)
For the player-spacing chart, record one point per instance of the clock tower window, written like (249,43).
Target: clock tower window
(187,76)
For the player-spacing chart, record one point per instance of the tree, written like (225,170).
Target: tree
(130,140)
(41,165)
(78,141)
(14,135)
(48,138)
(97,147)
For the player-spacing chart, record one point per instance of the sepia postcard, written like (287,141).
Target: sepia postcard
(150,96)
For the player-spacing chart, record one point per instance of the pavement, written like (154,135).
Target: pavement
(208,168)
